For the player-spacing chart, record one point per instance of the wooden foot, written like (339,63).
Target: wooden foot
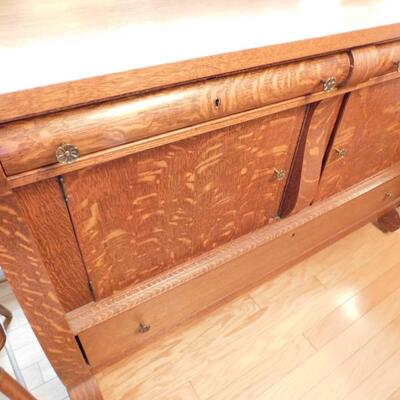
(12,389)
(390,221)
(88,390)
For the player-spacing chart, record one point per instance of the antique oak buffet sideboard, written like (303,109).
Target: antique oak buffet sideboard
(158,158)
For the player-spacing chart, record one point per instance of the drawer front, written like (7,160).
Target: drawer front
(367,140)
(32,143)
(123,334)
(141,215)
(373,61)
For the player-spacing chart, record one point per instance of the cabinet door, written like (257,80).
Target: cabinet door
(140,215)
(367,139)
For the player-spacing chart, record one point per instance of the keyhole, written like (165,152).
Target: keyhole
(217,102)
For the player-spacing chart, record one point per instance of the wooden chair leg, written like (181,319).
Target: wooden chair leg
(390,221)
(5,312)
(12,389)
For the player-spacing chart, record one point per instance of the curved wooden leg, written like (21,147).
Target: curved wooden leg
(390,221)
(12,389)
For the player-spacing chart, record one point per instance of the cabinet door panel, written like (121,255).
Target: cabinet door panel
(138,216)
(369,135)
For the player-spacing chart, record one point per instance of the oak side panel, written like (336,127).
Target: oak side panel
(24,269)
(44,211)
(111,124)
(140,215)
(302,184)
(369,134)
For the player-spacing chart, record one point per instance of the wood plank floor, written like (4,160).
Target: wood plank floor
(328,328)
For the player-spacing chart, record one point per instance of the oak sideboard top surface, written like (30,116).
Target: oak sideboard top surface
(59,54)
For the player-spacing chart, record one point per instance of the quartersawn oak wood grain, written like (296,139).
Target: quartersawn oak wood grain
(369,134)
(114,123)
(44,211)
(96,312)
(117,152)
(371,61)
(25,270)
(236,266)
(143,214)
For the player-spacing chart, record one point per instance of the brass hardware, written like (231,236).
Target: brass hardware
(217,102)
(279,174)
(329,84)
(67,153)
(274,219)
(340,152)
(388,195)
(143,327)
(397,64)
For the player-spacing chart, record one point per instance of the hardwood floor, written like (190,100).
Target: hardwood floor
(328,328)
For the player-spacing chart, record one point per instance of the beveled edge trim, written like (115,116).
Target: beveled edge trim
(94,313)
(116,152)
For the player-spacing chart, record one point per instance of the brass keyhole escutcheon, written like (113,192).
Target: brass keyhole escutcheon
(143,327)
(67,153)
(329,84)
(341,152)
(217,102)
(279,174)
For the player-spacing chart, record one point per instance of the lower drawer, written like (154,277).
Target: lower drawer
(299,235)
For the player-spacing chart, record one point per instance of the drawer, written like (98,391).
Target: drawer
(32,143)
(117,336)
(373,61)
(367,139)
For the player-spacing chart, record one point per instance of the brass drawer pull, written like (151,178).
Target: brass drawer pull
(340,152)
(67,153)
(329,84)
(389,195)
(279,174)
(143,327)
